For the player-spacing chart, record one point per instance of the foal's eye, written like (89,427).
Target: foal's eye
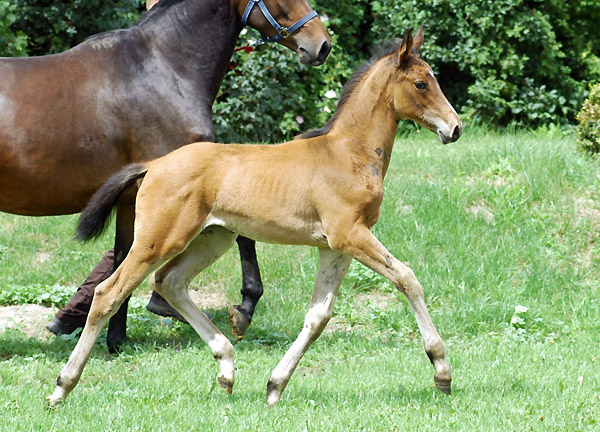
(421,85)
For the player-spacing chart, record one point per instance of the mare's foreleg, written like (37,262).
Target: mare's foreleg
(172,280)
(363,246)
(332,269)
(117,327)
(240,316)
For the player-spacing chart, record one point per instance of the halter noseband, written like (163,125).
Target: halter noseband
(282,32)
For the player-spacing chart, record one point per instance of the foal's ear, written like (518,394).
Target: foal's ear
(403,52)
(418,40)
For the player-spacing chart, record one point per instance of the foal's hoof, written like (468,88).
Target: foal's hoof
(226,384)
(239,321)
(444,386)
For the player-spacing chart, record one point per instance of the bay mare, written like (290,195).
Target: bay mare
(69,121)
(324,190)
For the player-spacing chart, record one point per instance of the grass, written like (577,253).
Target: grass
(500,228)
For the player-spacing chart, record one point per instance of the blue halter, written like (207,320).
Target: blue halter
(282,32)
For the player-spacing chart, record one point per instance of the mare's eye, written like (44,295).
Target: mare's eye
(421,85)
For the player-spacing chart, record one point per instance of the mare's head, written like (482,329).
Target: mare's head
(310,41)
(416,94)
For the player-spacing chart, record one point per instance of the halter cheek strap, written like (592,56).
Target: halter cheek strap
(282,32)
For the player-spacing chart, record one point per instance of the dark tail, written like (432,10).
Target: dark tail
(97,212)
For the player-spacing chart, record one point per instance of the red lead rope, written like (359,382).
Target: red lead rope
(248,48)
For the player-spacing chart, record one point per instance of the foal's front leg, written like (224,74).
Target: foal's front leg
(108,297)
(332,269)
(363,246)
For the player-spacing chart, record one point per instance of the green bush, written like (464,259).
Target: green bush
(12,42)
(588,130)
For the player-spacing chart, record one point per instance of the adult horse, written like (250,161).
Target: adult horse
(68,121)
(324,190)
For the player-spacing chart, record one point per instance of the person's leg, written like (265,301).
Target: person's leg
(74,314)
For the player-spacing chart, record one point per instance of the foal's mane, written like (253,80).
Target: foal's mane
(383,50)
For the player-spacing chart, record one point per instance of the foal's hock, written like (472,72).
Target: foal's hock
(323,189)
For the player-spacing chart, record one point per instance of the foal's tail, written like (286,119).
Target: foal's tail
(96,213)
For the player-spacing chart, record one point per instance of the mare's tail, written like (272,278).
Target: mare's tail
(96,213)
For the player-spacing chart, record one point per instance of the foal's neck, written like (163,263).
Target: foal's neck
(367,121)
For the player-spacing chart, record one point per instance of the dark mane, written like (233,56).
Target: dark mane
(158,9)
(383,50)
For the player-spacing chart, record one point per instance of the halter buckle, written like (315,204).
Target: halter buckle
(284,32)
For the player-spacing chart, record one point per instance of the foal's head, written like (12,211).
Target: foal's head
(416,94)
(311,41)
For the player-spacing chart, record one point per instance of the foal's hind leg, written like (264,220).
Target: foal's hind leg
(332,269)
(240,316)
(365,248)
(172,281)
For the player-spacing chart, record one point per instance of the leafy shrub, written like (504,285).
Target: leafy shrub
(12,42)
(588,130)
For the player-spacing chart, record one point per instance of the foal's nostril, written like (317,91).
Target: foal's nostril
(456,133)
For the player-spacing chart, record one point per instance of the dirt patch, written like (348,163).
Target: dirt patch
(29,319)
(32,319)
(203,299)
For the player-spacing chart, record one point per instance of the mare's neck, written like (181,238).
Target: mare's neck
(367,122)
(195,38)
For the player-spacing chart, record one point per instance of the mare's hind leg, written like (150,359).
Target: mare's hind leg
(332,269)
(117,327)
(109,295)
(240,316)
(363,246)
(172,280)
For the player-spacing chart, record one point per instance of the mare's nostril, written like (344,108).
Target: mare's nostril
(324,51)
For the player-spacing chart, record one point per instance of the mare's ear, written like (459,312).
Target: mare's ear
(403,51)
(418,40)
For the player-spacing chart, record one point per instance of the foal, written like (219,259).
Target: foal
(322,190)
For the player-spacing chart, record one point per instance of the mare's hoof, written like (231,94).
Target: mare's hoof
(239,322)
(226,384)
(444,386)
(115,344)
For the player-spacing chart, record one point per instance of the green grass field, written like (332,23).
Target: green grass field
(502,230)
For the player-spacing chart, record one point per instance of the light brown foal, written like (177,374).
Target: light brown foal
(324,190)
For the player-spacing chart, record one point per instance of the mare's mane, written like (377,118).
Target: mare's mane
(386,49)
(158,9)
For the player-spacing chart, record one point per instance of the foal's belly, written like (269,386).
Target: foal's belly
(292,231)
